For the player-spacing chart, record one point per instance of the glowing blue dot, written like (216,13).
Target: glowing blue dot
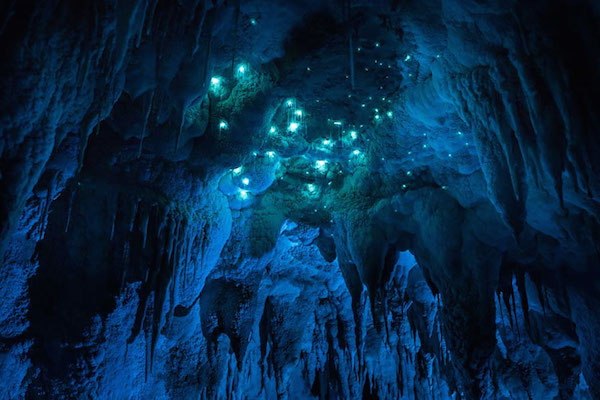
(241,69)
(353,134)
(311,188)
(215,81)
(293,127)
(407,58)
(253,21)
(289,103)
(409,173)
(337,123)
(299,113)
(270,154)
(223,125)
(356,152)
(390,114)
(272,130)
(238,170)
(246,181)
(326,142)
(243,194)
(321,165)
(377,44)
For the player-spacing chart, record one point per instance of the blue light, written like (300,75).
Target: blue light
(321,165)
(243,194)
(245,181)
(293,127)
(223,125)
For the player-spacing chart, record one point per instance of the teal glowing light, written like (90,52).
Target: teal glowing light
(407,58)
(321,165)
(356,152)
(215,82)
(326,142)
(238,170)
(403,186)
(289,103)
(245,181)
(311,188)
(408,173)
(243,194)
(337,123)
(273,129)
(459,133)
(293,127)
(353,135)
(223,125)
(253,21)
(299,113)
(390,114)
(270,154)
(377,44)
(241,69)
(377,117)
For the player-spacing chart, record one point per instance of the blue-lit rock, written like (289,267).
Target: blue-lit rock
(299,199)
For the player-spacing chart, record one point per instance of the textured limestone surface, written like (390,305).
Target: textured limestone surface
(300,199)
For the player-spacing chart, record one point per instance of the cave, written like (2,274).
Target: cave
(300,199)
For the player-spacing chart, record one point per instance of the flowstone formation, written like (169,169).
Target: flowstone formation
(300,199)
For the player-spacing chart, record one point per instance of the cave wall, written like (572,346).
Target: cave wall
(428,229)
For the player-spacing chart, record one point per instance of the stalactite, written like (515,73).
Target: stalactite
(145,123)
(70,208)
(350,40)
(181,123)
(235,35)
(200,28)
